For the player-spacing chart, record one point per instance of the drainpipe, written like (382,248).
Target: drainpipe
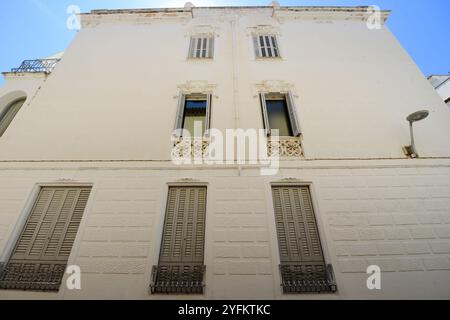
(234,59)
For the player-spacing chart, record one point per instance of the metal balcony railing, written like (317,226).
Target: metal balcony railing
(34,276)
(307,278)
(178,279)
(35,66)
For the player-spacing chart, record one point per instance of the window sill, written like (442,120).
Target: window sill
(269,59)
(200,59)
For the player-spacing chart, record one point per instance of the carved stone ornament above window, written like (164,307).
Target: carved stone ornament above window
(278,86)
(197,86)
(203,30)
(263,30)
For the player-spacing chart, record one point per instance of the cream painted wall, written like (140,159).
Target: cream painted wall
(395,214)
(112,96)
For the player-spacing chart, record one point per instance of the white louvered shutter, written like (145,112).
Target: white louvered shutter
(293,115)
(264,113)
(178,128)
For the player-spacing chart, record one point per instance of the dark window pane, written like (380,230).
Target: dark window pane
(195,110)
(274,45)
(199,48)
(279,117)
(269,49)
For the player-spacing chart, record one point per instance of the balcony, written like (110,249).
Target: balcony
(307,278)
(178,279)
(284,147)
(32,275)
(36,66)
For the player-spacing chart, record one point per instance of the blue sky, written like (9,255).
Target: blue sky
(37,28)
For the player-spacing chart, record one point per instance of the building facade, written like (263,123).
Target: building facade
(88,180)
(441,83)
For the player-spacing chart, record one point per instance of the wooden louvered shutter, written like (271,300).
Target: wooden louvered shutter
(257,47)
(208,114)
(211,47)
(191,48)
(39,259)
(8,115)
(298,237)
(184,227)
(264,114)
(52,226)
(178,128)
(293,115)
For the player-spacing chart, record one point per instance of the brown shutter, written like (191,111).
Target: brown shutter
(302,265)
(184,227)
(298,236)
(180,268)
(39,258)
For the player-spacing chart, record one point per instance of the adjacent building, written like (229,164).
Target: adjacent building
(93,177)
(441,83)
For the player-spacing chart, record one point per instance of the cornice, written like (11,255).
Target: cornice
(147,16)
(136,17)
(328,13)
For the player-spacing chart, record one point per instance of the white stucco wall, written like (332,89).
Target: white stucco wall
(395,215)
(105,116)
(117,83)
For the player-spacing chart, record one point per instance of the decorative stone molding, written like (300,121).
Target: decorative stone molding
(284,147)
(328,14)
(203,30)
(263,30)
(190,148)
(197,86)
(143,16)
(273,86)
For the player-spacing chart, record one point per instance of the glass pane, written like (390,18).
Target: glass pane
(263,46)
(279,117)
(205,40)
(274,45)
(199,48)
(268,45)
(195,111)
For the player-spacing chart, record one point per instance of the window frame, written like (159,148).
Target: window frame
(181,111)
(273,46)
(291,110)
(16,233)
(159,236)
(206,50)
(6,110)
(320,225)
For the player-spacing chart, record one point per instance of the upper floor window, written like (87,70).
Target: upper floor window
(201,47)
(266,46)
(279,113)
(193,114)
(7,116)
